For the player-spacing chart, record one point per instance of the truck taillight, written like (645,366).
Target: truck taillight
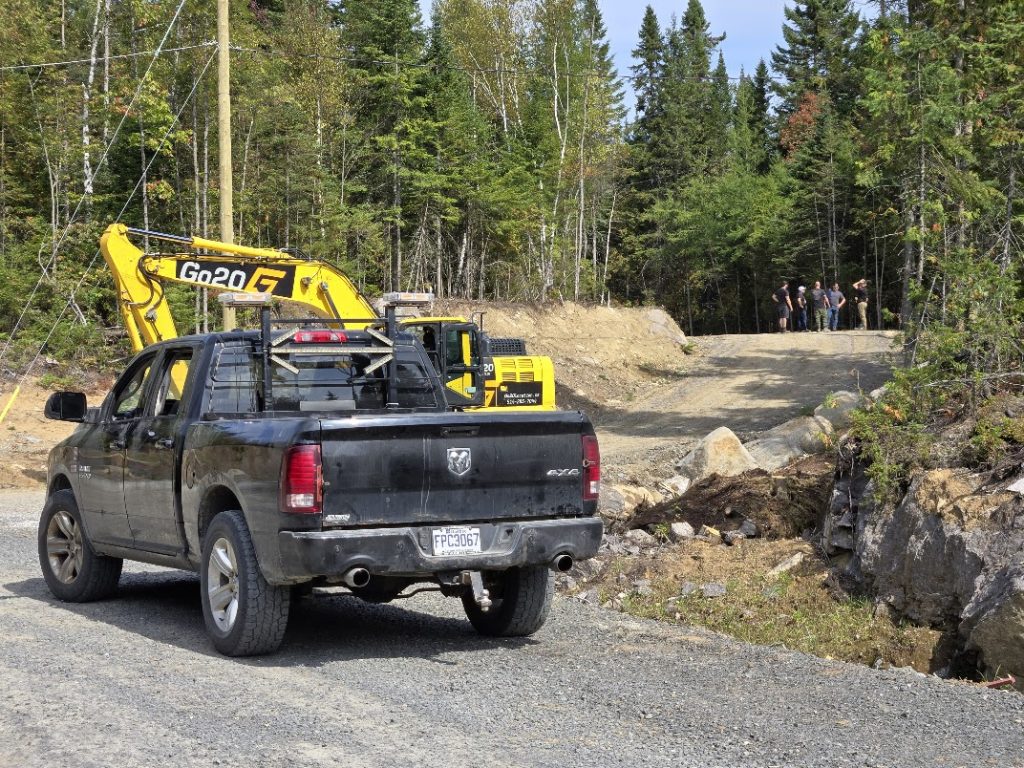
(591,468)
(302,480)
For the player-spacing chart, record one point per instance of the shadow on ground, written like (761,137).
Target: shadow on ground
(164,606)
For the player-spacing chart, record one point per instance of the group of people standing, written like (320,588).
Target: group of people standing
(826,304)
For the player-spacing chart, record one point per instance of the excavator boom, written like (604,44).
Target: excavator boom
(139,276)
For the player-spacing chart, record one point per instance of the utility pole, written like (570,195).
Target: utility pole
(227,230)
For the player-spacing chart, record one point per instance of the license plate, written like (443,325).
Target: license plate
(457,540)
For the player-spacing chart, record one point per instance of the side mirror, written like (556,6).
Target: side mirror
(65,406)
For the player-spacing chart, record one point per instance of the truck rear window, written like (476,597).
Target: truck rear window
(320,383)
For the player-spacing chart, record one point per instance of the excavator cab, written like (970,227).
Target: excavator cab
(454,350)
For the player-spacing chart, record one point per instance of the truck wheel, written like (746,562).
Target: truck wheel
(521,598)
(72,569)
(245,616)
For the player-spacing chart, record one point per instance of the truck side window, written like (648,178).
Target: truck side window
(234,381)
(414,387)
(128,399)
(172,383)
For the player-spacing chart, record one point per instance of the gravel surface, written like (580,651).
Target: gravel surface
(134,682)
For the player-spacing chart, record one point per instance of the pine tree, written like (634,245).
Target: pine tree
(761,121)
(818,54)
(386,45)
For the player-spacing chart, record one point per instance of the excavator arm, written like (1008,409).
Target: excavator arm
(140,277)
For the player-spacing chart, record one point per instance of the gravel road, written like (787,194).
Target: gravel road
(134,682)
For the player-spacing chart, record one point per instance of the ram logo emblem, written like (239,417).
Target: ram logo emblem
(459,461)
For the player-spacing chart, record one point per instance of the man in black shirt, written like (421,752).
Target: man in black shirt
(820,299)
(783,306)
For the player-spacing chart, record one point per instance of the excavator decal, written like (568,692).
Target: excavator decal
(238,276)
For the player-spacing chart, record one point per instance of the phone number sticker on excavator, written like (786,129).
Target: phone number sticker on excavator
(279,280)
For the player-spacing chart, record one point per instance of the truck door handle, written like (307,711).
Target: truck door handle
(470,431)
(162,442)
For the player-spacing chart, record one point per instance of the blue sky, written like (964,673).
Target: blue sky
(753,27)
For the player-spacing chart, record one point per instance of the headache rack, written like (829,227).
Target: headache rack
(379,344)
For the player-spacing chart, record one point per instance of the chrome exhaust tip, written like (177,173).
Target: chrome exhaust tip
(562,563)
(355,578)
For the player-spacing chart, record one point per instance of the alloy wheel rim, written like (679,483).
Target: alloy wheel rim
(222,584)
(64,547)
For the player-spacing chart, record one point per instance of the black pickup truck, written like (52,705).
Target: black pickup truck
(276,464)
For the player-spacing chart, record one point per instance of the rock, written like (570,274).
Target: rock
(788,564)
(640,537)
(1017,487)
(677,485)
(993,622)
(587,596)
(950,554)
(611,504)
(772,453)
(680,531)
(708,532)
(687,588)
(619,502)
(731,537)
(642,587)
(714,589)
(792,439)
(749,529)
(662,324)
(719,453)
(878,394)
(838,407)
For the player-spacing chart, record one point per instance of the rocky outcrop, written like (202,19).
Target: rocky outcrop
(950,554)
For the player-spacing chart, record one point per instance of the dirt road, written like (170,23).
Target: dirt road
(745,382)
(133,681)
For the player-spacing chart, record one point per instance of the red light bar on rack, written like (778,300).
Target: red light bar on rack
(318,337)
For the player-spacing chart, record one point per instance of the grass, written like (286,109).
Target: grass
(797,609)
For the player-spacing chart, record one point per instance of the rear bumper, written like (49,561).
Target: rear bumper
(407,551)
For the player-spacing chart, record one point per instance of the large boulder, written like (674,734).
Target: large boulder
(837,408)
(790,440)
(662,324)
(719,453)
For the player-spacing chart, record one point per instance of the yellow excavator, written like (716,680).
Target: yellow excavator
(462,353)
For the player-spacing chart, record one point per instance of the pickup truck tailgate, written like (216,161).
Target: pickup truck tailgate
(452,467)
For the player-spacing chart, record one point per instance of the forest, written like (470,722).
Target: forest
(490,152)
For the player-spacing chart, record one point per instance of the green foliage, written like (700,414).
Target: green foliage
(489,155)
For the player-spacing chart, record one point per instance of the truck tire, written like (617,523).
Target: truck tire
(244,615)
(521,599)
(72,569)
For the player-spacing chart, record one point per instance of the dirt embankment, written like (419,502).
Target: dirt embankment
(26,436)
(605,357)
